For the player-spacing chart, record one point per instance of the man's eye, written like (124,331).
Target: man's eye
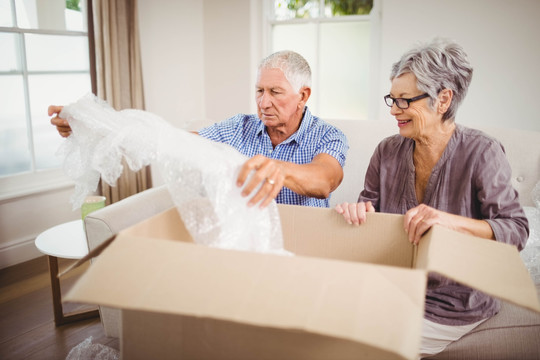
(275,92)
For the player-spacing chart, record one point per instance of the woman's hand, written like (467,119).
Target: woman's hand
(420,219)
(62,125)
(355,213)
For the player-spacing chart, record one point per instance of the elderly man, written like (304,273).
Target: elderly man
(296,156)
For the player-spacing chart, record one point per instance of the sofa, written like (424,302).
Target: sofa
(514,333)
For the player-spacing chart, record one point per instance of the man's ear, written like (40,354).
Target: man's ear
(445,99)
(304,93)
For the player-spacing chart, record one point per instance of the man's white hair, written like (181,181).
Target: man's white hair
(295,68)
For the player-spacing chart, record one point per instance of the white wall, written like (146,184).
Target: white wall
(501,39)
(227,80)
(172,50)
(24,217)
(196,59)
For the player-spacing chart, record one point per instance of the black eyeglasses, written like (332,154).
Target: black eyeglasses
(402,103)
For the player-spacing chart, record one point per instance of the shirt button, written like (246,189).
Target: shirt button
(520,179)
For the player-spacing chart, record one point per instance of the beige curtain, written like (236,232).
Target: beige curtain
(119,76)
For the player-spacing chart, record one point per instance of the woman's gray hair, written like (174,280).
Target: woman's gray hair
(295,68)
(440,64)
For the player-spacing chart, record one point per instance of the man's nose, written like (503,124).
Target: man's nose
(264,100)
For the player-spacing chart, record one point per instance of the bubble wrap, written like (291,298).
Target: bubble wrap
(86,350)
(200,174)
(531,253)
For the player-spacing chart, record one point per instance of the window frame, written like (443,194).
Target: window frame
(35,181)
(374,18)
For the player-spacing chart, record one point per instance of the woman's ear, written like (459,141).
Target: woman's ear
(445,99)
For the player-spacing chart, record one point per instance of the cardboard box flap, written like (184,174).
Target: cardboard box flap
(489,266)
(333,298)
(331,237)
(165,225)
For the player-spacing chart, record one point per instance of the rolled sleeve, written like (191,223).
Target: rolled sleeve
(335,144)
(223,131)
(499,201)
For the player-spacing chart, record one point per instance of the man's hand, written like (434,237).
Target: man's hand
(355,213)
(265,172)
(62,125)
(315,179)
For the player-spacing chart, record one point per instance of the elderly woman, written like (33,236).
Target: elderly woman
(438,172)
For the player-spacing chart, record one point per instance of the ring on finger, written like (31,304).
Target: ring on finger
(271,181)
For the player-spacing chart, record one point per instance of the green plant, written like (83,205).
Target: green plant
(73,5)
(350,7)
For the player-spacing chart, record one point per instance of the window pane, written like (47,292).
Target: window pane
(8,60)
(344,68)
(75,15)
(56,52)
(290,9)
(51,14)
(48,90)
(300,38)
(14,152)
(5,13)
(347,7)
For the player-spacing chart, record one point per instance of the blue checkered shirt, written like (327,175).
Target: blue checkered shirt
(247,134)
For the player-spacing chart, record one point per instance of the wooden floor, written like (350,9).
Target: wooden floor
(27,329)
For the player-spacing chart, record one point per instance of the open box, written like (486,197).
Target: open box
(351,291)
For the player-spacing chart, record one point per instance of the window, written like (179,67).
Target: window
(45,60)
(335,37)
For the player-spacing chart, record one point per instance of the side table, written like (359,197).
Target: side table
(68,241)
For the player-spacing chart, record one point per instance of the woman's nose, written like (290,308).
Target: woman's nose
(394,110)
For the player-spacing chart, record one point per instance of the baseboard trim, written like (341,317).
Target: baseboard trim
(18,251)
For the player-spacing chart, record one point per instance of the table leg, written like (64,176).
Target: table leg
(59,317)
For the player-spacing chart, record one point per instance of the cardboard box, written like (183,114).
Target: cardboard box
(351,291)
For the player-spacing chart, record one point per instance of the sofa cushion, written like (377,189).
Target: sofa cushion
(514,333)
(104,223)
